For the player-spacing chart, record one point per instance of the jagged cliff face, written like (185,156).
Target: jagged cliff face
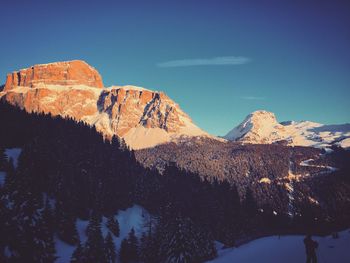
(144,118)
(131,106)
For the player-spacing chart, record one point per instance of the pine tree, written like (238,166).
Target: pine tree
(182,241)
(109,249)
(249,203)
(129,248)
(78,255)
(133,243)
(94,246)
(124,251)
(3,159)
(250,212)
(113,225)
(46,230)
(65,223)
(148,250)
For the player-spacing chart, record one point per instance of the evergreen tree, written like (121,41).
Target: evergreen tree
(129,248)
(148,250)
(46,231)
(249,203)
(65,223)
(113,225)
(94,246)
(10,174)
(109,249)
(3,158)
(78,255)
(124,253)
(182,241)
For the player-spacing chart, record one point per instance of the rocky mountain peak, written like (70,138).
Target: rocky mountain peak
(131,107)
(144,118)
(258,127)
(75,72)
(262,115)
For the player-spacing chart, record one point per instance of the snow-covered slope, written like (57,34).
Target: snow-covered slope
(263,127)
(287,249)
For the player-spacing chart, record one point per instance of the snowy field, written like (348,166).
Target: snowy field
(132,217)
(287,249)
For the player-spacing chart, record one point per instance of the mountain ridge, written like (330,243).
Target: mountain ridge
(262,127)
(144,118)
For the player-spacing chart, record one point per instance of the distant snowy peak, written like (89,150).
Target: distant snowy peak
(258,127)
(262,127)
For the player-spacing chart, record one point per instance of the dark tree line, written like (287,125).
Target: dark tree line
(67,171)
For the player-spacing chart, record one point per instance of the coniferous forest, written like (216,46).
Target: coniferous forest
(68,171)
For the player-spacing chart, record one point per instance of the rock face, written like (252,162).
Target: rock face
(131,106)
(74,72)
(144,118)
(262,127)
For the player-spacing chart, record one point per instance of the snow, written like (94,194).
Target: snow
(130,87)
(7,251)
(13,153)
(259,126)
(287,249)
(265,180)
(344,143)
(64,251)
(133,217)
(190,129)
(57,88)
(57,63)
(262,127)
(328,168)
(141,137)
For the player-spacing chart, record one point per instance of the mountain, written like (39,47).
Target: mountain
(67,173)
(262,127)
(74,89)
(66,73)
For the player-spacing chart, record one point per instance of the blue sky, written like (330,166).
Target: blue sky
(220,60)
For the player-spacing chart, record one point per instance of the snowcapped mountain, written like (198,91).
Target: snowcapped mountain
(144,118)
(263,127)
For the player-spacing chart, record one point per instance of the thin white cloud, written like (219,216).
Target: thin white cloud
(217,61)
(252,98)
